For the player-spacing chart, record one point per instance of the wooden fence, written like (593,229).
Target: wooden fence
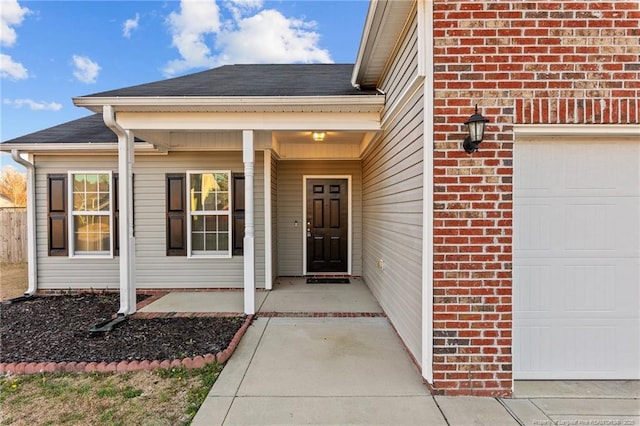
(13,235)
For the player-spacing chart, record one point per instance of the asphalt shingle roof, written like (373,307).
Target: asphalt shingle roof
(82,130)
(252,80)
(230,80)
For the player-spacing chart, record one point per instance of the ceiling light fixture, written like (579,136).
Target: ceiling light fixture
(318,136)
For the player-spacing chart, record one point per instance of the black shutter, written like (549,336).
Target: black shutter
(176,214)
(116,216)
(238,214)
(57,215)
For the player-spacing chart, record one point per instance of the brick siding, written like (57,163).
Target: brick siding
(521,62)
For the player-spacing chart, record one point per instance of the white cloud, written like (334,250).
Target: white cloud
(270,37)
(251,35)
(85,69)
(130,25)
(33,105)
(11,14)
(188,29)
(11,69)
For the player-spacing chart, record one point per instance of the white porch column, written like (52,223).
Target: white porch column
(248,156)
(125,204)
(268,237)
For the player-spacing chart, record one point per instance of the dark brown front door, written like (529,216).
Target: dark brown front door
(327,225)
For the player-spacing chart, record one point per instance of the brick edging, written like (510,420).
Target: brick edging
(221,357)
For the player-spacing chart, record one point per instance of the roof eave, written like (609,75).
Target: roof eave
(77,147)
(384,24)
(354,103)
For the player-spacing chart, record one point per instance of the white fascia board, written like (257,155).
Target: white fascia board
(356,103)
(74,147)
(584,131)
(283,121)
(366,43)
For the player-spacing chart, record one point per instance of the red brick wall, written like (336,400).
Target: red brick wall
(522,62)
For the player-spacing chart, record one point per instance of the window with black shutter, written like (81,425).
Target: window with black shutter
(176,215)
(57,215)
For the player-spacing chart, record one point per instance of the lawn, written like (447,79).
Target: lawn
(160,397)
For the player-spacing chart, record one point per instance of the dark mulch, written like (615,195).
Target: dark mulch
(56,329)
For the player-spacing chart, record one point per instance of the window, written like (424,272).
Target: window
(91,211)
(199,219)
(209,224)
(58,207)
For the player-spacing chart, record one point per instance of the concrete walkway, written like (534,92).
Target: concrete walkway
(339,370)
(353,371)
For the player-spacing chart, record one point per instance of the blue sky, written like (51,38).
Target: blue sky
(51,51)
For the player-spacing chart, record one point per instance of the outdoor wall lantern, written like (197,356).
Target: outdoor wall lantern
(475,124)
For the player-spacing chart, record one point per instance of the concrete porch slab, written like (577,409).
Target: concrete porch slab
(293,294)
(202,301)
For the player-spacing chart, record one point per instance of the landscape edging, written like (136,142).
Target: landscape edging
(21,368)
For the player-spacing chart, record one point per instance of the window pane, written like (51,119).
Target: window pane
(211,223)
(79,201)
(92,182)
(223,201)
(223,223)
(91,201)
(196,182)
(197,223)
(223,241)
(209,200)
(103,185)
(223,181)
(211,243)
(78,183)
(197,241)
(103,202)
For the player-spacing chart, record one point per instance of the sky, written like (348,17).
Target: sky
(51,51)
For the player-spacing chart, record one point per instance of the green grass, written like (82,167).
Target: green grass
(169,396)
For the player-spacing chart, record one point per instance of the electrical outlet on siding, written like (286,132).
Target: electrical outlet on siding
(381,264)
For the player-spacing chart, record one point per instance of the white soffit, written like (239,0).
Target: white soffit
(384,24)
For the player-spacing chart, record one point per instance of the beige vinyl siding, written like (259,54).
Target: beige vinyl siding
(393,202)
(62,272)
(154,269)
(405,66)
(290,207)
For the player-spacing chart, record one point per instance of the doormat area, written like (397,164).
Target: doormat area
(328,281)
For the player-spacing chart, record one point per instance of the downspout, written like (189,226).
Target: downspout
(32,262)
(127,239)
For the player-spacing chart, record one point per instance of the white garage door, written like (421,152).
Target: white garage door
(576,289)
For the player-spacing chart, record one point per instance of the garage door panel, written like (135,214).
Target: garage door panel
(581,348)
(576,261)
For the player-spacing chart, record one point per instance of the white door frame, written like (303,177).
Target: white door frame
(304,221)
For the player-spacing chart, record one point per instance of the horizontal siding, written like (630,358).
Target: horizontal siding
(393,202)
(405,66)
(153,268)
(62,272)
(290,208)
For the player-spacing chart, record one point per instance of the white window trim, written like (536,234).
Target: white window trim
(228,213)
(71,223)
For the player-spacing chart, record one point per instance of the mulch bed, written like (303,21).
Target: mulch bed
(56,329)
